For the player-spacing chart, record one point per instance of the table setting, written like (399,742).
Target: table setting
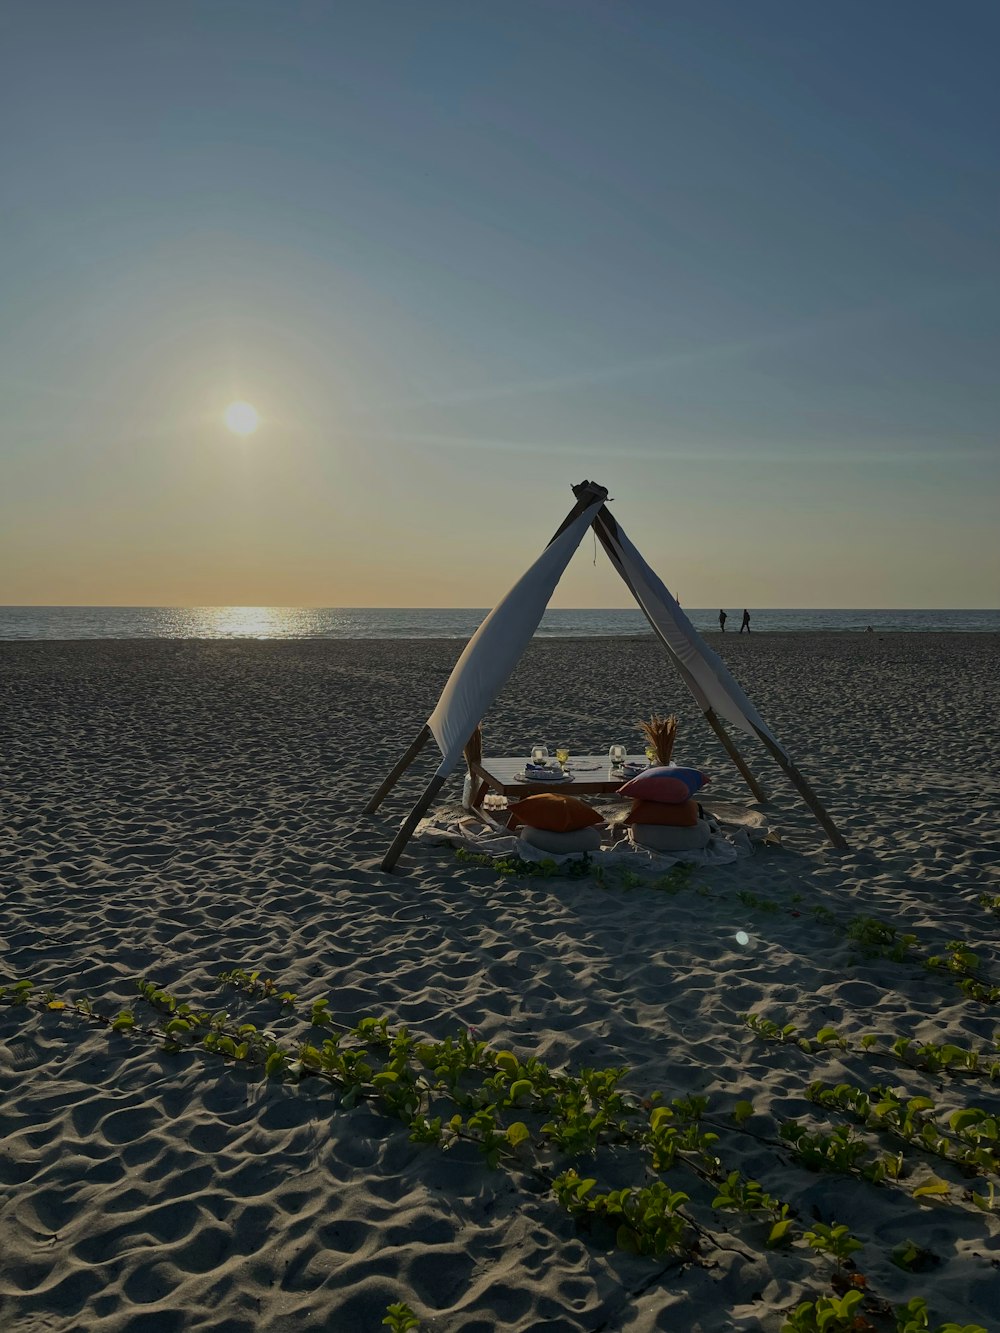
(542,772)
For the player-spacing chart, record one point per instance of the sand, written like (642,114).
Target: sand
(173,809)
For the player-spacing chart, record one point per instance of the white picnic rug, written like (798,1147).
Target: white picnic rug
(735,834)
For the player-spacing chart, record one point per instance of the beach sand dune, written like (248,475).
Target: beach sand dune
(171,810)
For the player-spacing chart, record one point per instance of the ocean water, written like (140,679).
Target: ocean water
(298,622)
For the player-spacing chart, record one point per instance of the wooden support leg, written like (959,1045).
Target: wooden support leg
(735,755)
(805,791)
(411,821)
(404,763)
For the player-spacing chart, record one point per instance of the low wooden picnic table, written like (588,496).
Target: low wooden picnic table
(590,774)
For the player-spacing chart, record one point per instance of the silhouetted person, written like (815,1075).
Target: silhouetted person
(746,621)
(722,621)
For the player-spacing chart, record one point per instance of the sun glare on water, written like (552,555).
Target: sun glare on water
(241,418)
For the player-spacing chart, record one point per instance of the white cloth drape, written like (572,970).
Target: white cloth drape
(494,650)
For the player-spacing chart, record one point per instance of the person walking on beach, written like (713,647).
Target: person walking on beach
(722,621)
(746,621)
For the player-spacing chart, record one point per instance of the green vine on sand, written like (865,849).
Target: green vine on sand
(459,1089)
(933,1057)
(969,1137)
(519,1114)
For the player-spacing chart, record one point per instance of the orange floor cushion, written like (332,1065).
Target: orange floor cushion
(555,813)
(684,815)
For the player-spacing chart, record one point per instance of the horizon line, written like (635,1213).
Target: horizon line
(310,606)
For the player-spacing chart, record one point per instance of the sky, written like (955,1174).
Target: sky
(739,263)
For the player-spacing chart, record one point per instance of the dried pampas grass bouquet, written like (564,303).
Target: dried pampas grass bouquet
(660,733)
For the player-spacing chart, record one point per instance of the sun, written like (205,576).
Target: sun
(241,418)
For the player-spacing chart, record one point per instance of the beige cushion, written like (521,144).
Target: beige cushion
(561,844)
(662,838)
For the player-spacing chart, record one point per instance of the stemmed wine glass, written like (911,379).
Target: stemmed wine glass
(562,754)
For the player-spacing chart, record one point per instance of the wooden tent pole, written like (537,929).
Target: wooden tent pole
(422,737)
(735,755)
(411,821)
(804,790)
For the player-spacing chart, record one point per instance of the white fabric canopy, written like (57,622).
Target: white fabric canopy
(496,647)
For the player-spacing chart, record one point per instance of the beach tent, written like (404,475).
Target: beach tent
(494,650)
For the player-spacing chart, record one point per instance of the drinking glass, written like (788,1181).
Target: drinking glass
(562,754)
(539,754)
(617,755)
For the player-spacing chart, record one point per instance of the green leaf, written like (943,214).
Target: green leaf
(658,1116)
(827,1034)
(742,1111)
(933,1185)
(517,1133)
(960,1120)
(508,1062)
(920,1104)
(849,1301)
(779,1233)
(124,1021)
